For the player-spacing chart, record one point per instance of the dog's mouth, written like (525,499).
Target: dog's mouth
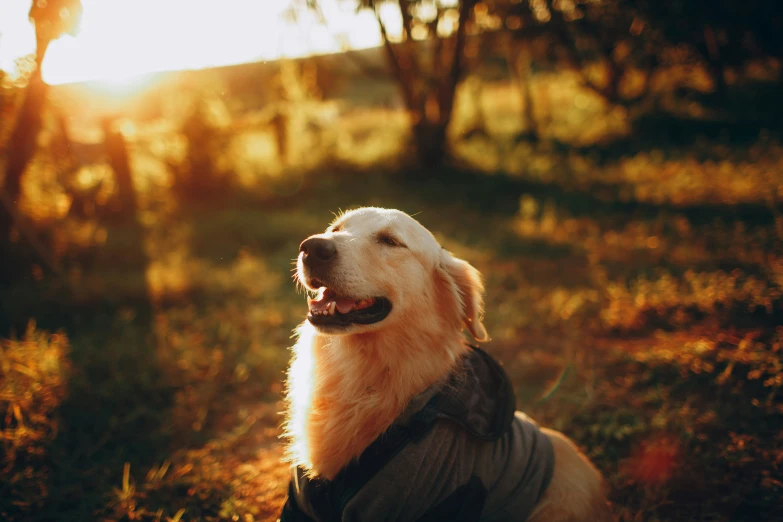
(332,310)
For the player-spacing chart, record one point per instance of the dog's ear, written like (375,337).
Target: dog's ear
(468,288)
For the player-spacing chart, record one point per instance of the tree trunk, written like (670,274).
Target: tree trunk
(429,103)
(21,146)
(522,67)
(430,143)
(117,151)
(712,54)
(716,72)
(280,124)
(614,77)
(22,142)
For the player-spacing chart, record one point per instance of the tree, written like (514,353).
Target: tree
(428,94)
(52,19)
(722,33)
(608,33)
(427,83)
(626,36)
(625,39)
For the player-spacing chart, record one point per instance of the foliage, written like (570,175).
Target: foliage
(629,38)
(33,376)
(199,173)
(719,30)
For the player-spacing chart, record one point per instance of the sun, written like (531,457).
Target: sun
(120,40)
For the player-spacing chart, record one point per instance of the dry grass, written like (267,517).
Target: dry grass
(34,371)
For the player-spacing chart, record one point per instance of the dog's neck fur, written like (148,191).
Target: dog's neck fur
(345,391)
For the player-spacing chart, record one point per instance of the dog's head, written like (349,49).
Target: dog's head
(376,268)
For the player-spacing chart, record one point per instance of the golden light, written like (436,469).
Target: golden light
(120,40)
(300,395)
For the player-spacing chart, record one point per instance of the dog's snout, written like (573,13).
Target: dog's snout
(318,250)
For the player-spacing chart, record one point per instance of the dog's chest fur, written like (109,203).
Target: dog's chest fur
(351,407)
(348,392)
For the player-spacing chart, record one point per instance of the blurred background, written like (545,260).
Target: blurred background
(613,167)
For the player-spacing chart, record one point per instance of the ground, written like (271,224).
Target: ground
(633,295)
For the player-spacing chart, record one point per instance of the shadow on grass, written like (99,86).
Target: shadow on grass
(737,121)
(116,408)
(444,202)
(499,194)
(117,403)
(274,229)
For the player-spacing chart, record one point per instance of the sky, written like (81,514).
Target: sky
(120,39)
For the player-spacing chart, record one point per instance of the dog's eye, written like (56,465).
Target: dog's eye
(386,239)
(335,228)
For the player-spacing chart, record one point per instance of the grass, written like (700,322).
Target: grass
(634,297)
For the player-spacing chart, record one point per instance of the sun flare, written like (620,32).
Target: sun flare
(119,40)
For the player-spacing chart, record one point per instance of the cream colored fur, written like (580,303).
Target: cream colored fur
(577,491)
(346,388)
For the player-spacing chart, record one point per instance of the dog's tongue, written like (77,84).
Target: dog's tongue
(344,305)
(326,296)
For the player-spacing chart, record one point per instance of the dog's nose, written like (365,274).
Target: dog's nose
(318,249)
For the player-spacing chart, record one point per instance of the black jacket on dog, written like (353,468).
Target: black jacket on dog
(459,452)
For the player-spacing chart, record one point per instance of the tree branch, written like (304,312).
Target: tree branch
(404,78)
(407,26)
(448,84)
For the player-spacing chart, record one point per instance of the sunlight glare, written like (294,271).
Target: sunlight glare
(120,40)
(16,39)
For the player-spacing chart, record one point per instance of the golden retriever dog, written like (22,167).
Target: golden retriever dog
(383,336)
